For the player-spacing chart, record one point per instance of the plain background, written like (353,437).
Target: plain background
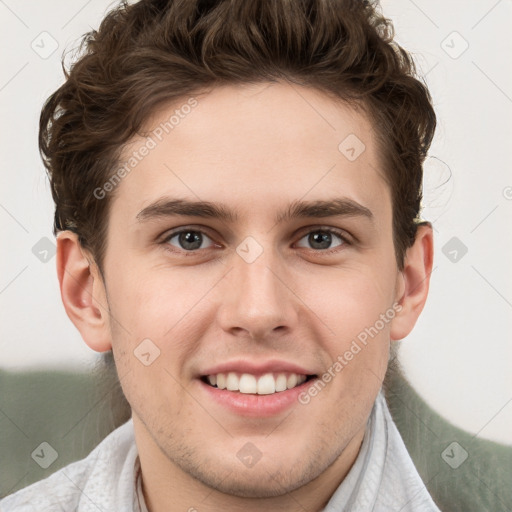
(459,356)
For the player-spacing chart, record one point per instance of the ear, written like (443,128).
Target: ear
(82,291)
(413,282)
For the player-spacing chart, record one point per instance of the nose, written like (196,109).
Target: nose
(256,300)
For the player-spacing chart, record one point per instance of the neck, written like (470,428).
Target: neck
(167,488)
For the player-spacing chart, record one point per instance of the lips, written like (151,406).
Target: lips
(252,405)
(256,378)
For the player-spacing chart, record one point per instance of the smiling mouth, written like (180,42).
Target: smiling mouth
(246,383)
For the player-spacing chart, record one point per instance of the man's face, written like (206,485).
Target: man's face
(259,293)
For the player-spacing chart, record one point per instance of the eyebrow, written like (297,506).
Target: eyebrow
(169,207)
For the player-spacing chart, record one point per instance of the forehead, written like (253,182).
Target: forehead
(254,147)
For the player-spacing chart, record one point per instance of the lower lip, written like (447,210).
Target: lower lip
(260,406)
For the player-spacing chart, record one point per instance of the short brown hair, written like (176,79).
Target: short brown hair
(157,51)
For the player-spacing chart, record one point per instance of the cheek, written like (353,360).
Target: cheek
(354,299)
(162,311)
(154,301)
(358,308)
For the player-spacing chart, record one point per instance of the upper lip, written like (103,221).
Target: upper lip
(257,368)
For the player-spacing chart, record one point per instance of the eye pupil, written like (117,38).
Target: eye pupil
(322,238)
(190,240)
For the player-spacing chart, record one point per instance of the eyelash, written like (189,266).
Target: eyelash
(339,233)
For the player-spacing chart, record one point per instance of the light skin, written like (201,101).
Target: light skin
(254,149)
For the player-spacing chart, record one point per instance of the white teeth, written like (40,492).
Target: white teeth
(281,382)
(265,385)
(248,384)
(232,382)
(291,382)
(221,381)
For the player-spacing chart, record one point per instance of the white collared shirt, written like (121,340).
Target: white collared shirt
(382,479)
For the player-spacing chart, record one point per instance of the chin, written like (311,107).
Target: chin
(261,481)
(250,485)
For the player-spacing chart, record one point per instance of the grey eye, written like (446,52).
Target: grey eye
(322,239)
(189,239)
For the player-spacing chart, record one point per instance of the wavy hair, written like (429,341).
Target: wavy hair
(158,51)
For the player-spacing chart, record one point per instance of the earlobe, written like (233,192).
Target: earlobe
(82,292)
(414,281)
